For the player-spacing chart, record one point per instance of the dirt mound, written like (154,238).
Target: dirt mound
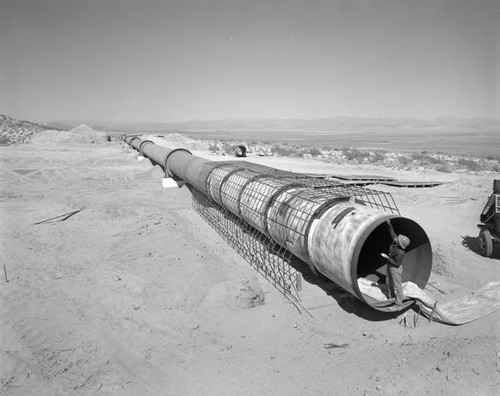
(234,295)
(81,134)
(82,129)
(179,137)
(85,134)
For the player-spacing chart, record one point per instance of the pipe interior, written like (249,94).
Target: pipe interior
(417,263)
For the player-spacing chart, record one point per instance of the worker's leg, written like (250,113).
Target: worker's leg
(398,287)
(390,282)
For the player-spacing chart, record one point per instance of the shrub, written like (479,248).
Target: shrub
(314,152)
(419,156)
(443,168)
(275,148)
(432,159)
(355,154)
(283,151)
(378,156)
(404,160)
(425,158)
(230,148)
(469,164)
(493,157)
(213,148)
(4,140)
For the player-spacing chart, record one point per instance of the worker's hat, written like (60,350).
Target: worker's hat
(403,241)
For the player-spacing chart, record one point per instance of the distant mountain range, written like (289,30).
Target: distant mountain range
(340,124)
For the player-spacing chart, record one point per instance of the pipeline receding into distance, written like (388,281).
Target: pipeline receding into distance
(336,229)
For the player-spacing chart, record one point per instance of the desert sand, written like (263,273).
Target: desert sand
(136,295)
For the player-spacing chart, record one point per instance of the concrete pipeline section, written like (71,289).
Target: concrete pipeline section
(337,230)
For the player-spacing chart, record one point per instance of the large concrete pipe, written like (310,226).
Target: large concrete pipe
(330,227)
(241,151)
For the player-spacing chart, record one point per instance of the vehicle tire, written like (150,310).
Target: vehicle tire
(485,243)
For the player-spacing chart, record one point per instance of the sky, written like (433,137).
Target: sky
(170,61)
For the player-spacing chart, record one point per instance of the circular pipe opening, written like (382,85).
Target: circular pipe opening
(369,264)
(241,151)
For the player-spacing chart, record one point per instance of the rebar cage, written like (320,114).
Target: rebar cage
(375,199)
(264,255)
(264,212)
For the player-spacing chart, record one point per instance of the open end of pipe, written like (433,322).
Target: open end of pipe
(369,264)
(241,151)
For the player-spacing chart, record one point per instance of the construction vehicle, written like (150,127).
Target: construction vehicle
(489,229)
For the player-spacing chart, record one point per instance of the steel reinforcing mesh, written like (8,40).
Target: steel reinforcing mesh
(264,255)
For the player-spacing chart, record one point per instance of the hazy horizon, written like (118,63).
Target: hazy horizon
(124,61)
(403,119)
(298,124)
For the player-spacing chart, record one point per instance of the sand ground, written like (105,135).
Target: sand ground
(137,295)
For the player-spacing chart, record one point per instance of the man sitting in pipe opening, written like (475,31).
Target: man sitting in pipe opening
(394,264)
